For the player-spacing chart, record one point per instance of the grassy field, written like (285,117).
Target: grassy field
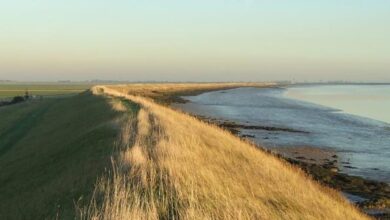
(53,89)
(51,153)
(173,166)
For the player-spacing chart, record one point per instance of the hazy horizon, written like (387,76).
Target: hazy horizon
(195,40)
(93,81)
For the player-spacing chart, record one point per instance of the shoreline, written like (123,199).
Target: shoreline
(372,197)
(177,97)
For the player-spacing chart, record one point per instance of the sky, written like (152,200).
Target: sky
(198,40)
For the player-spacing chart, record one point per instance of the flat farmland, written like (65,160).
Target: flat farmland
(11,90)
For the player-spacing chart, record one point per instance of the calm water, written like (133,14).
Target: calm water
(348,119)
(363,100)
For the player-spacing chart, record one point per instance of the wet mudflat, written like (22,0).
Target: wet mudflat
(344,151)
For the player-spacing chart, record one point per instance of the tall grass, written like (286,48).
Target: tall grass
(160,89)
(173,166)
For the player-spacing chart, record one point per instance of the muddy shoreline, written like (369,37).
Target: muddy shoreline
(372,197)
(169,98)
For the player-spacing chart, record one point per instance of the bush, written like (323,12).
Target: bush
(17,99)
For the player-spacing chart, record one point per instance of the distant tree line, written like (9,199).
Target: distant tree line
(16,99)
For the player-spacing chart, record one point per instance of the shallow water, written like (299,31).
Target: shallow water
(372,101)
(361,143)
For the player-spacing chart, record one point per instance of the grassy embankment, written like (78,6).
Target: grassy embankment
(173,166)
(51,153)
(166,164)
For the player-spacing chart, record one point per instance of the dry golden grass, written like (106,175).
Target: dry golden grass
(173,166)
(159,89)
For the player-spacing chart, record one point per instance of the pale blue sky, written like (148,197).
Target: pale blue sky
(195,40)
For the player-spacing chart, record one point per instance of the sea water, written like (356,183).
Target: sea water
(352,120)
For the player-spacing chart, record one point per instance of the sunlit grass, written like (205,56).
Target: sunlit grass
(172,166)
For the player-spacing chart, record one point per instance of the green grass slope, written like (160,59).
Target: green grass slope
(51,153)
